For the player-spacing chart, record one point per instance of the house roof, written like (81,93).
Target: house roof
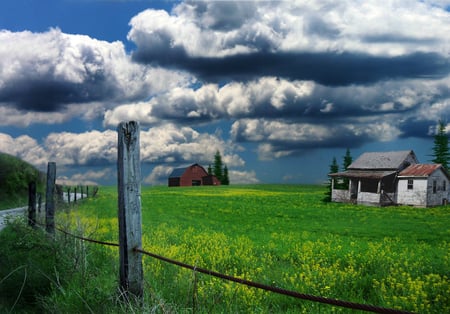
(382,160)
(363,174)
(421,170)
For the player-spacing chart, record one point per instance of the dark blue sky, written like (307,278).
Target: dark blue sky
(279,87)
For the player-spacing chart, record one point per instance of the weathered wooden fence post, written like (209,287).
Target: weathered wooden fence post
(68,195)
(59,193)
(130,228)
(50,198)
(39,202)
(32,203)
(75,195)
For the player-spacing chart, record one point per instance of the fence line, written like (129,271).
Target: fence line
(66,190)
(290,293)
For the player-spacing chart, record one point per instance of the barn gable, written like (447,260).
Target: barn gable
(193,175)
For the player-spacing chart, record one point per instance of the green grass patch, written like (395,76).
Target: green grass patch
(283,235)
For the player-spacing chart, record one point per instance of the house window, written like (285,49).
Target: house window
(444,185)
(410,184)
(434,186)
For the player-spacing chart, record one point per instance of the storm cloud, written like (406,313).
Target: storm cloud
(319,43)
(47,72)
(324,68)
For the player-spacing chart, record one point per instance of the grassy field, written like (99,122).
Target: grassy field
(397,257)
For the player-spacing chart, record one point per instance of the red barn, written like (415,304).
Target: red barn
(193,175)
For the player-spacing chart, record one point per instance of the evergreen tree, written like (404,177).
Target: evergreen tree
(347,162)
(334,168)
(218,166)
(441,151)
(225,178)
(210,170)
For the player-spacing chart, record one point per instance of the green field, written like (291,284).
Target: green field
(281,235)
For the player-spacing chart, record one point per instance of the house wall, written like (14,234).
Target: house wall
(417,196)
(410,160)
(368,198)
(422,193)
(437,198)
(340,196)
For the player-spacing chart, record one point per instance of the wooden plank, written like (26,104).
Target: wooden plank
(129,194)
(50,198)
(32,203)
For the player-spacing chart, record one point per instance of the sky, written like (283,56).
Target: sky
(278,87)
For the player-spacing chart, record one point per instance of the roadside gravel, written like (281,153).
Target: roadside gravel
(10,213)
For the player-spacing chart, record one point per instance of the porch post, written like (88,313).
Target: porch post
(379,187)
(359,186)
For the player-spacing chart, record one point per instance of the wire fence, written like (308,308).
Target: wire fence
(281,291)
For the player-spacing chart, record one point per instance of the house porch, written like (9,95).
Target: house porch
(367,188)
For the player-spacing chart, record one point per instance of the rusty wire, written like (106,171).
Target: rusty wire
(290,293)
(335,302)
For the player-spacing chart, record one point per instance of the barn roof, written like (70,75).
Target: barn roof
(421,170)
(382,160)
(177,172)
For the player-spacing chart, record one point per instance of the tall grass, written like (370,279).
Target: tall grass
(284,236)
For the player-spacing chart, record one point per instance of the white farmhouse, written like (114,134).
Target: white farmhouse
(423,185)
(390,178)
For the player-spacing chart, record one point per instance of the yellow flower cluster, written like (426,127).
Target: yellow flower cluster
(425,292)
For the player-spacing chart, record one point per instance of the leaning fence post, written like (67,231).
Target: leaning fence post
(50,198)
(32,203)
(129,190)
